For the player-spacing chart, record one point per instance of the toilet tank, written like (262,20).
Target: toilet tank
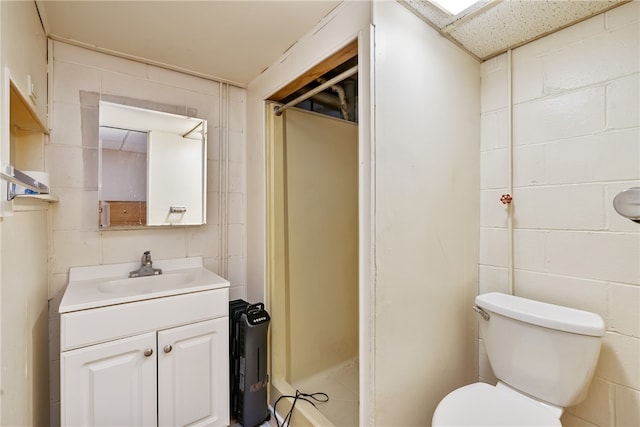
(544,350)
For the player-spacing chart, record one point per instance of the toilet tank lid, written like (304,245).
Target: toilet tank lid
(543,314)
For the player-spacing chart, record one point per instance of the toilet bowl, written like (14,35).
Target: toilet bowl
(543,355)
(482,404)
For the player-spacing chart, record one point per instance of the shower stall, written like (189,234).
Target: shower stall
(313,263)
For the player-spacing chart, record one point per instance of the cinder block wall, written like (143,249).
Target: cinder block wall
(576,136)
(71,157)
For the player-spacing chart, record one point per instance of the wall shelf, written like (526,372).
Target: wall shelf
(49,198)
(22,155)
(33,202)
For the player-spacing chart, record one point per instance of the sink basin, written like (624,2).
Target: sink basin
(104,285)
(147,284)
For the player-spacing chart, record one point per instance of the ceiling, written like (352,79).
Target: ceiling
(488,28)
(228,40)
(235,41)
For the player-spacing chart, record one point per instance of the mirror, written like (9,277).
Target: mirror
(152,168)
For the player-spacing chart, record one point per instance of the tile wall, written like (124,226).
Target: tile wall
(576,136)
(80,77)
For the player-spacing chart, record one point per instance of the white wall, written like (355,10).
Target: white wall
(71,160)
(23,334)
(24,232)
(427,125)
(576,145)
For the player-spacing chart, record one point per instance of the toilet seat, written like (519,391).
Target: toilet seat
(482,404)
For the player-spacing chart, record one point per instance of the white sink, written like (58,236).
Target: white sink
(148,284)
(103,285)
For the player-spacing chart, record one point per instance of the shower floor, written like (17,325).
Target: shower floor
(340,383)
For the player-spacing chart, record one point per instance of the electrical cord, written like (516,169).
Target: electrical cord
(319,397)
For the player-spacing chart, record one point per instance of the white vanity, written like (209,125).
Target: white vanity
(149,351)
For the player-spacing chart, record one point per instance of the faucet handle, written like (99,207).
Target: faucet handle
(146,258)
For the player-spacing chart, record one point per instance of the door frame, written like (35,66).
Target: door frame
(366,222)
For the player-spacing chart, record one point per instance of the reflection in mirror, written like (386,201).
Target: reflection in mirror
(152,168)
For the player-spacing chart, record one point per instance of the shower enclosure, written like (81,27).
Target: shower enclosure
(313,263)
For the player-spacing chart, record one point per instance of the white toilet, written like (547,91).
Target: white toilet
(543,355)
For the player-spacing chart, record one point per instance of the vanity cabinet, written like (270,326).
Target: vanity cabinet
(162,361)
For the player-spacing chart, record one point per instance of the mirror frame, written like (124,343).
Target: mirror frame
(90,117)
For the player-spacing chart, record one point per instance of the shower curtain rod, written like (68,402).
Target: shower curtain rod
(337,79)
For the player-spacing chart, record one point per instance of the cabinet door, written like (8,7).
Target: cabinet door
(110,384)
(193,374)
(25,52)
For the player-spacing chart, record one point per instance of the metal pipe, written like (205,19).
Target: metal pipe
(342,99)
(350,90)
(326,99)
(510,267)
(337,79)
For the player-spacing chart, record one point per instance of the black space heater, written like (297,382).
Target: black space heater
(248,325)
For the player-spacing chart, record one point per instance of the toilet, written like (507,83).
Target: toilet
(543,355)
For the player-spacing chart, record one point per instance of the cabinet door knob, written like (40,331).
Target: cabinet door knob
(148,352)
(167,348)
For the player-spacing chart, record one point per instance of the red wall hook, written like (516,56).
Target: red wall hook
(506,199)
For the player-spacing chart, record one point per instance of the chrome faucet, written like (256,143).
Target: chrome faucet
(146,267)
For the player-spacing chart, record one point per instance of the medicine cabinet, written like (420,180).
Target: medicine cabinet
(23,104)
(152,168)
